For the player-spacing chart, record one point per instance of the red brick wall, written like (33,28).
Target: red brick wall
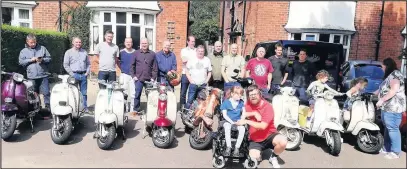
(367,21)
(45,14)
(173,11)
(264,21)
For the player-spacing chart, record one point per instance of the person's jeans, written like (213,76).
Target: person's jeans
(392,136)
(107,76)
(275,89)
(184,89)
(193,90)
(139,89)
(229,85)
(41,86)
(302,94)
(129,88)
(83,87)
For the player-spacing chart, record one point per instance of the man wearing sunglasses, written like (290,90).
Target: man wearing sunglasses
(143,69)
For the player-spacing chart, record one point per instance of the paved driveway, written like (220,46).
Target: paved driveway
(37,150)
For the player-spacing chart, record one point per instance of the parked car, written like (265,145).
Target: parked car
(328,56)
(371,70)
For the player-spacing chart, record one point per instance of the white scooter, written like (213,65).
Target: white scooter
(161,114)
(286,107)
(66,108)
(326,121)
(109,113)
(360,122)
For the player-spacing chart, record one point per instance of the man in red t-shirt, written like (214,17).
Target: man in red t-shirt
(260,69)
(262,133)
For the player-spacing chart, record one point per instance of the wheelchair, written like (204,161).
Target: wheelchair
(219,146)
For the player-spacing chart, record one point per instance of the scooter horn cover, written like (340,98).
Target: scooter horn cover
(174,79)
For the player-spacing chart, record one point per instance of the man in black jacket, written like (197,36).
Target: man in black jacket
(303,71)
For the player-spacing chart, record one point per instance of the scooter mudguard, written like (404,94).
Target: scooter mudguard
(62,110)
(365,125)
(328,125)
(9,107)
(162,122)
(107,118)
(289,125)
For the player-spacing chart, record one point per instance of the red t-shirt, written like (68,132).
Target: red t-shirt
(259,70)
(267,115)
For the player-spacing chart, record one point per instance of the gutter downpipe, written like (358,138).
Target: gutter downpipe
(232,19)
(244,23)
(188,26)
(60,15)
(379,33)
(223,22)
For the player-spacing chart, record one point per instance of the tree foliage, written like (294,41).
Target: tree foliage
(75,21)
(205,15)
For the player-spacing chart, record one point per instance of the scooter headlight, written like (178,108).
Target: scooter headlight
(162,97)
(8,99)
(18,77)
(71,80)
(333,119)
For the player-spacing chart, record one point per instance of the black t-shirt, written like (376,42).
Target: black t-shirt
(302,73)
(280,66)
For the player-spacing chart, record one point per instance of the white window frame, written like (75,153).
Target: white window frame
(304,35)
(403,61)
(15,19)
(128,26)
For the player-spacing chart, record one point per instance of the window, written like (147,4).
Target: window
(324,37)
(309,36)
(123,24)
(296,36)
(17,16)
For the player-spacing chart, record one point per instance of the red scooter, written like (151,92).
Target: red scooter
(160,115)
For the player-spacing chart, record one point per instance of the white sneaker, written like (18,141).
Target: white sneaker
(274,162)
(391,156)
(382,151)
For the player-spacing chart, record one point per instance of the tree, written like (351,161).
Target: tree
(205,15)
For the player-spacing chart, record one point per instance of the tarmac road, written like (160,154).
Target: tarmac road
(37,150)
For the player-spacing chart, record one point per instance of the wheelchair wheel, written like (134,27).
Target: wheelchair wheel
(218,162)
(250,163)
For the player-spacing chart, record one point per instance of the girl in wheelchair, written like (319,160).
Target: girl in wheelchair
(232,110)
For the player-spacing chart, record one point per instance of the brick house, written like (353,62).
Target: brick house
(355,24)
(156,20)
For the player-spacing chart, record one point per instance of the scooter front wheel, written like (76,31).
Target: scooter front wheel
(60,135)
(163,137)
(9,124)
(334,141)
(106,142)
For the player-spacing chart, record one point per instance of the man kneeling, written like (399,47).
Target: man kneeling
(262,133)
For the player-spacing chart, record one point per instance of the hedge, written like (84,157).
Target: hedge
(13,41)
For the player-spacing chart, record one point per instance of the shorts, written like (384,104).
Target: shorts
(265,144)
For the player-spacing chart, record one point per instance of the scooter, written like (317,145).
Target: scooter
(66,108)
(18,101)
(199,117)
(109,114)
(161,114)
(361,124)
(326,121)
(286,108)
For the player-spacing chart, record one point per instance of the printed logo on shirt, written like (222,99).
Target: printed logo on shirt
(199,65)
(260,70)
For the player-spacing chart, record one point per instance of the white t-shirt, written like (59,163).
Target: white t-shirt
(198,69)
(187,53)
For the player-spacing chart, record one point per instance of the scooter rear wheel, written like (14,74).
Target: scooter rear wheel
(106,142)
(376,138)
(61,136)
(8,133)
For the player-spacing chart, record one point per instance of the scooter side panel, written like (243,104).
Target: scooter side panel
(320,114)
(75,100)
(365,125)
(152,107)
(58,93)
(293,106)
(21,97)
(171,106)
(328,125)
(101,103)
(278,109)
(118,106)
(357,112)
(107,118)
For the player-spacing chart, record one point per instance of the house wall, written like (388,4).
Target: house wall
(45,14)
(265,21)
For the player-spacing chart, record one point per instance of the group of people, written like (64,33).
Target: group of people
(217,69)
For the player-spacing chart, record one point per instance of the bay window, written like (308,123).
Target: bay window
(343,39)
(123,24)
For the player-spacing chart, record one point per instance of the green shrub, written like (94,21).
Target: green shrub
(13,41)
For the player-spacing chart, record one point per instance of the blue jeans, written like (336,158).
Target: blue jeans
(392,136)
(139,89)
(107,76)
(302,95)
(184,89)
(193,90)
(229,85)
(83,87)
(41,86)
